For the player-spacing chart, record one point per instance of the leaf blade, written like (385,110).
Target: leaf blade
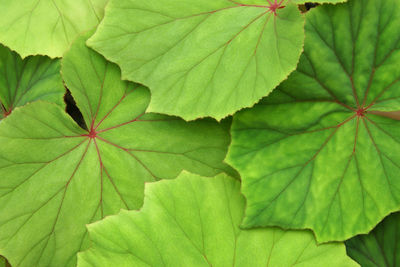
(189,217)
(328,159)
(378,247)
(250,46)
(56,177)
(57,22)
(24,81)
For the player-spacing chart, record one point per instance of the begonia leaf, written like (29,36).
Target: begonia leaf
(381,247)
(321,152)
(202,58)
(46,27)
(56,177)
(28,80)
(194,221)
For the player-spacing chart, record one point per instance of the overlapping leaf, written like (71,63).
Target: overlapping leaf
(56,177)
(381,247)
(317,154)
(48,27)
(202,58)
(23,81)
(194,221)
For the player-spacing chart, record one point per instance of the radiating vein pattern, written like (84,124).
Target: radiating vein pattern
(202,58)
(56,177)
(329,159)
(200,216)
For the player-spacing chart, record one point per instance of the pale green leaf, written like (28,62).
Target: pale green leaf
(46,27)
(56,177)
(194,221)
(381,247)
(202,58)
(315,154)
(28,80)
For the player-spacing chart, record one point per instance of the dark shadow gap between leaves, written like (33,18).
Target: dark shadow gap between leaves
(73,110)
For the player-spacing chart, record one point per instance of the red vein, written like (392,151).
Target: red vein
(115,187)
(380,155)
(353,88)
(100,97)
(374,59)
(356,135)
(246,5)
(237,5)
(44,165)
(216,50)
(289,135)
(101,177)
(63,198)
(382,92)
(122,124)
(132,155)
(323,86)
(5,112)
(31,213)
(261,34)
(83,91)
(304,165)
(371,77)
(108,114)
(333,50)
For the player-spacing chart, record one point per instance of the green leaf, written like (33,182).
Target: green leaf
(56,177)
(315,154)
(4,262)
(194,221)
(33,27)
(202,58)
(380,248)
(31,79)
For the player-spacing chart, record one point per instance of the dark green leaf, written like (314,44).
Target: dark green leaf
(381,247)
(317,153)
(28,80)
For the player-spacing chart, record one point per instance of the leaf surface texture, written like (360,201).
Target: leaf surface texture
(202,58)
(194,221)
(46,27)
(321,152)
(28,80)
(56,177)
(380,247)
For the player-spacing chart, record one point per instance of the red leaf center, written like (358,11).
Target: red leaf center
(273,6)
(92,134)
(7,113)
(360,112)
